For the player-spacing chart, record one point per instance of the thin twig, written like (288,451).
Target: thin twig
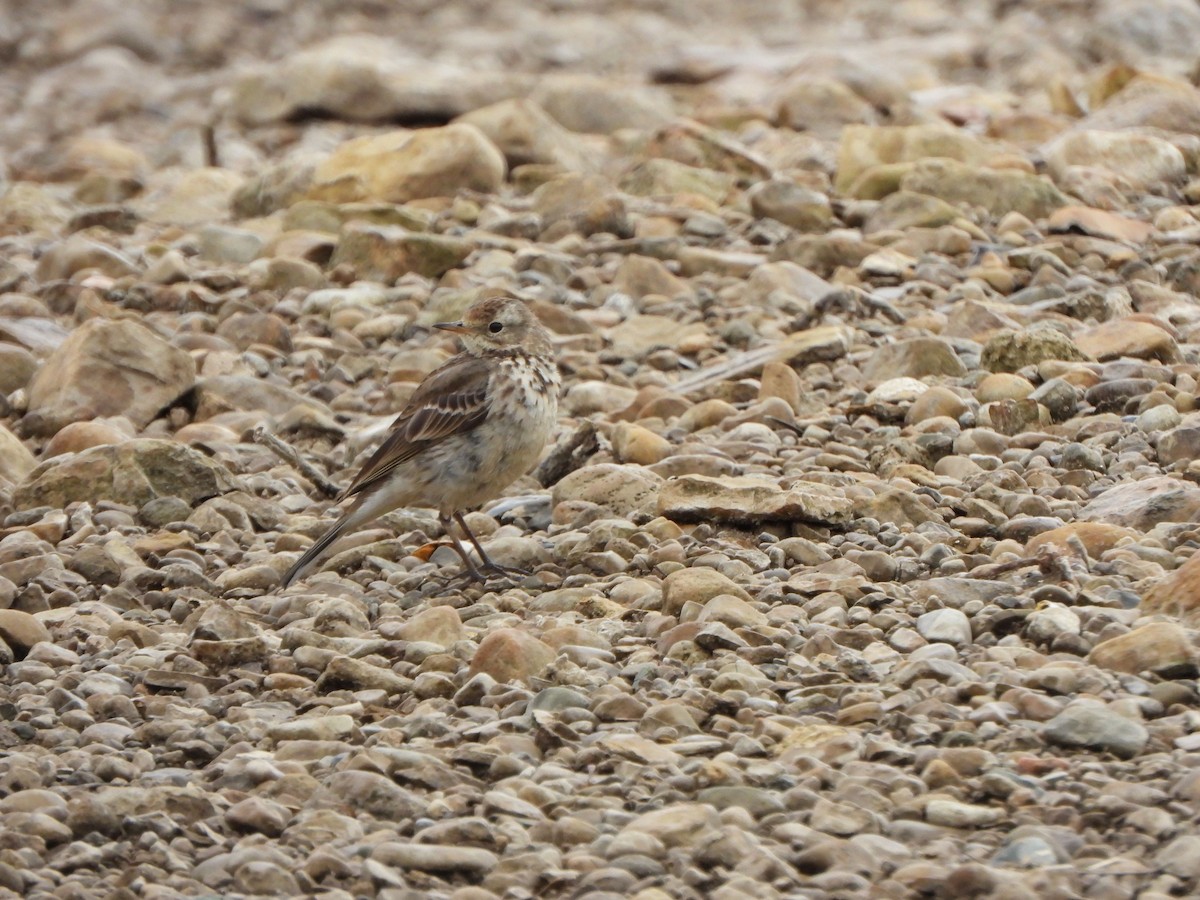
(288,453)
(208,137)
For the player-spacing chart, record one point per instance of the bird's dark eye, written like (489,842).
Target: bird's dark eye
(495,328)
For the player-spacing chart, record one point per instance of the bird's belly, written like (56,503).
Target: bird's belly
(479,465)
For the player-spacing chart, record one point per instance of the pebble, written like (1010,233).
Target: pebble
(1098,729)
(949,625)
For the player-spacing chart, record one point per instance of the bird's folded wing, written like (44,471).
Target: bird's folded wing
(451,400)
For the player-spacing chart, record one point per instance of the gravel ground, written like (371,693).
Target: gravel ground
(862,564)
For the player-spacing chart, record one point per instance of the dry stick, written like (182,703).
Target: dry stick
(208,137)
(288,453)
(826,342)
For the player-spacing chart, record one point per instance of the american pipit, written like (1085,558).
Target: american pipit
(472,427)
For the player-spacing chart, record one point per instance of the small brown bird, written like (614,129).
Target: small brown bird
(472,427)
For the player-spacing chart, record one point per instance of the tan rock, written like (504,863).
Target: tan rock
(1177,595)
(78,436)
(1013,416)
(525,133)
(748,500)
(936,402)
(601,105)
(17,367)
(625,490)
(1099,223)
(586,397)
(1160,647)
(781,380)
(580,202)
(997,190)
(638,335)
(108,368)
(16,460)
(79,253)
(865,146)
(1002,386)
(1141,505)
(385,253)
(667,178)
(706,414)
(732,611)
(133,472)
(635,444)
(642,275)
(677,825)
(21,631)
(439,625)
(697,584)
(509,654)
(399,166)
(822,106)
(914,358)
(1146,162)
(1096,537)
(190,197)
(1009,351)
(1128,337)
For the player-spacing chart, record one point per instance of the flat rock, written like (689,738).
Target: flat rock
(385,253)
(677,825)
(625,490)
(1010,351)
(1096,537)
(364,78)
(1160,647)
(1141,505)
(134,472)
(749,500)
(955,814)
(526,134)
(439,625)
(1123,337)
(1097,728)
(440,858)
(999,191)
(863,147)
(1099,223)
(1146,162)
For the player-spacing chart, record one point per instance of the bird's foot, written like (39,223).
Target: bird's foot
(505,571)
(481,575)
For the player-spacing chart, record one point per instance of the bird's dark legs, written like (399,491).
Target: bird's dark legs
(471,573)
(488,564)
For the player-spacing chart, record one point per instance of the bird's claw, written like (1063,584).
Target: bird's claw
(506,571)
(483,574)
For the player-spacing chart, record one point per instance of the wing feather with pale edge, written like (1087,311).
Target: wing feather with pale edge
(451,400)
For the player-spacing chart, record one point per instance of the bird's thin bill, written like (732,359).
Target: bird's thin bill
(450,326)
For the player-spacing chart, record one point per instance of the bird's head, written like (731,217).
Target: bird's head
(498,324)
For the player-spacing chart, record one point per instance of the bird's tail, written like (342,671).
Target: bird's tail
(311,554)
(351,519)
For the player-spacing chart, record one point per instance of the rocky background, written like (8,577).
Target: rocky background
(863,564)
